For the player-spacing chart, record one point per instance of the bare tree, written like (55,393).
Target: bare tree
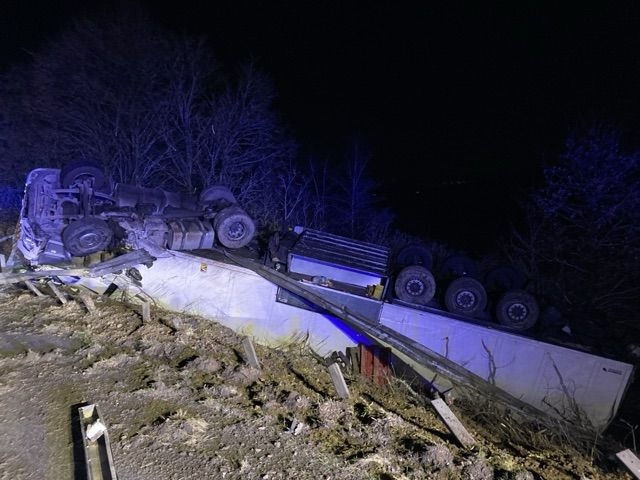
(247,144)
(303,194)
(96,93)
(357,209)
(582,236)
(189,131)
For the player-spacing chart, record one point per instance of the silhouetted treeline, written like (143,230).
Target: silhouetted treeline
(155,109)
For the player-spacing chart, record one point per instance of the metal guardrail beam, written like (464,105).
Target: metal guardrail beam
(97,447)
(128,260)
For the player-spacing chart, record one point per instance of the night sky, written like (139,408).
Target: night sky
(462,103)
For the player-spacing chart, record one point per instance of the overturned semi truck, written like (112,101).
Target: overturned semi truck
(77,211)
(330,290)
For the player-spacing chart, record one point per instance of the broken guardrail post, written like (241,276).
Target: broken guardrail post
(33,288)
(354,359)
(338,380)
(146,311)
(88,301)
(56,291)
(250,353)
(453,424)
(97,448)
(630,461)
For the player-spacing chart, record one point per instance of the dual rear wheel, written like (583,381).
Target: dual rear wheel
(516,309)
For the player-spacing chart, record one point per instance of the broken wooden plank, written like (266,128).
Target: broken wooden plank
(354,359)
(146,312)
(452,422)
(630,461)
(366,361)
(381,371)
(88,302)
(374,363)
(344,360)
(112,287)
(33,288)
(56,291)
(250,353)
(3,261)
(338,380)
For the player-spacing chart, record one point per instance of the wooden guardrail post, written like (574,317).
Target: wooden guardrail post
(146,312)
(88,302)
(338,380)
(452,422)
(33,288)
(354,359)
(630,461)
(250,353)
(56,291)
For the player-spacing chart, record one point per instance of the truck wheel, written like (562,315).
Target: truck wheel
(517,310)
(216,193)
(504,278)
(76,172)
(234,227)
(415,284)
(459,266)
(465,296)
(414,255)
(86,236)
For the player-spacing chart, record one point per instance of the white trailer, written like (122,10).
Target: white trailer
(555,379)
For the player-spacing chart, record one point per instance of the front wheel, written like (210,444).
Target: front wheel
(234,227)
(217,194)
(415,284)
(517,310)
(465,296)
(74,174)
(86,236)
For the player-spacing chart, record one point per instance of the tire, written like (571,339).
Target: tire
(86,236)
(465,296)
(415,284)
(504,278)
(517,310)
(414,255)
(217,193)
(233,227)
(74,172)
(459,266)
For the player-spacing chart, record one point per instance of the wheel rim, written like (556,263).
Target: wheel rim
(517,312)
(466,299)
(415,287)
(90,240)
(236,230)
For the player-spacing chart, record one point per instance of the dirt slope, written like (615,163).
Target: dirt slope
(181,403)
